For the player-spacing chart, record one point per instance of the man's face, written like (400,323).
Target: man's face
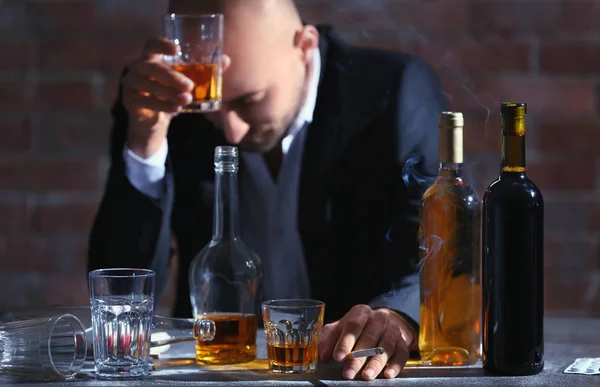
(263,90)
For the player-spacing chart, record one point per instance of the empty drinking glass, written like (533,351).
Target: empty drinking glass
(45,346)
(122,303)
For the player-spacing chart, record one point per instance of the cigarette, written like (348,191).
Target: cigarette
(366,352)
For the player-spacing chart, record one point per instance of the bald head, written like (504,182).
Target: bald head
(272,22)
(270,51)
(283,11)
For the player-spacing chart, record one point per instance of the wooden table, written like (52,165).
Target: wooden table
(566,340)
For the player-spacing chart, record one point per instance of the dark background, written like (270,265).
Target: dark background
(59,67)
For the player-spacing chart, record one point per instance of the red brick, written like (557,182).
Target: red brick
(482,134)
(593,294)
(567,268)
(3,247)
(478,107)
(13,95)
(122,49)
(448,15)
(105,52)
(388,15)
(68,52)
(14,18)
(70,216)
(581,15)
(16,133)
(565,217)
(377,44)
(109,92)
(570,57)
(73,174)
(64,95)
(515,18)
(30,252)
(13,175)
(21,289)
(15,216)
(132,15)
(16,52)
(50,174)
(66,289)
(74,133)
(569,136)
(316,12)
(544,95)
(473,56)
(564,176)
(458,88)
(65,15)
(593,220)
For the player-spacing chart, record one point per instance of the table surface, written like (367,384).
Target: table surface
(565,340)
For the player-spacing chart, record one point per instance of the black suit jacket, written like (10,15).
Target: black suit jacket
(369,155)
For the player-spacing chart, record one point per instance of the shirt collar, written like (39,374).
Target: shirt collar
(306,113)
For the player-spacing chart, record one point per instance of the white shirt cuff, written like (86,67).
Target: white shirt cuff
(147,175)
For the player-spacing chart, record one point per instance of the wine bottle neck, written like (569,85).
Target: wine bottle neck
(513,153)
(513,138)
(225,226)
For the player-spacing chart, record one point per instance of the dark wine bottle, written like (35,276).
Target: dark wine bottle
(512,259)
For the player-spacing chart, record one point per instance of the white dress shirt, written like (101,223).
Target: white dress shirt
(268,208)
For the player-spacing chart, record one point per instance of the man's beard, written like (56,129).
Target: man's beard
(279,133)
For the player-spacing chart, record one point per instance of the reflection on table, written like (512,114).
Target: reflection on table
(566,340)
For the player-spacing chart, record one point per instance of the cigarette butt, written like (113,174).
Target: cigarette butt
(366,352)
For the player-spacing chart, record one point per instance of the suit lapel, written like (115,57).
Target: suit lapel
(349,97)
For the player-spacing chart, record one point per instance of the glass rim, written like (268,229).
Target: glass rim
(78,361)
(212,16)
(127,273)
(293,303)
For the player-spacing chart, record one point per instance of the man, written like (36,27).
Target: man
(330,136)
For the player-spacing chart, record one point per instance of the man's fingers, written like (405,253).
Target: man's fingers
(225,62)
(165,76)
(398,360)
(375,366)
(352,327)
(373,331)
(134,101)
(396,351)
(158,46)
(139,83)
(352,368)
(329,337)
(370,337)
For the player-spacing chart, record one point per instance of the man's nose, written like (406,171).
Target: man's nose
(234,126)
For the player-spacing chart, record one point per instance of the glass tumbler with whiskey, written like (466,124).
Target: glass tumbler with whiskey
(450,281)
(199,39)
(292,329)
(226,276)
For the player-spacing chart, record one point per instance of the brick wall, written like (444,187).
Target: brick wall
(58,75)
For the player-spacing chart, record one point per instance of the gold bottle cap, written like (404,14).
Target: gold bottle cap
(449,120)
(513,109)
(513,117)
(451,137)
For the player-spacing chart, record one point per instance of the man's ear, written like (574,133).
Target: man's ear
(307,40)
